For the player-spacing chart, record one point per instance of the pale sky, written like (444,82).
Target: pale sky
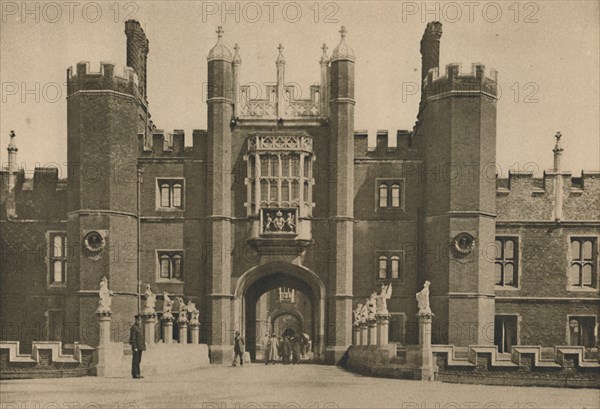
(546,54)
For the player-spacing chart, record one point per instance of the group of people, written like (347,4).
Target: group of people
(290,349)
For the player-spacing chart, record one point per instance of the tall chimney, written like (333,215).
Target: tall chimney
(137,52)
(430,47)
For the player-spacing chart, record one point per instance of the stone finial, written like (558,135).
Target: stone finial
(324,58)
(280,59)
(219,51)
(558,150)
(236,54)
(12,146)
(558,146)
(343,51)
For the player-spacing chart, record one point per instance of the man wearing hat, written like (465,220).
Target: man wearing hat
(138,344)
(238,348)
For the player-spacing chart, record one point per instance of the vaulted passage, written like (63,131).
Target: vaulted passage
(284,299)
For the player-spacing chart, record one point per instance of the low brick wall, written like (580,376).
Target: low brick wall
(570,367)
(381,362)
(46,360)
(525,366)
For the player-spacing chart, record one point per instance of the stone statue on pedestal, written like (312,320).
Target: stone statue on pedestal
(182,310)
(167,307)
(105,300)
(357,313)
(195,320)
(191,307)
(372,307)
(364,313)
(149,307)
(384,295)
(423,300)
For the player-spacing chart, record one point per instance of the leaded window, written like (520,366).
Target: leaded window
(507,261)
(170,193)
(170,264)
(582,271)
(57,251)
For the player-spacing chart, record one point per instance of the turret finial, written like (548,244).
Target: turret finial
(558,150)
(236,54)
(558,146)
(12,146)
(219,51)
(324,57)
(280,58)
(343,51)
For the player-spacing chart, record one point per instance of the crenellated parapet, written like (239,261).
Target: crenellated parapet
(382,149)
(523,197)
(170,145)
(110,77)
(456,83)
(524,183)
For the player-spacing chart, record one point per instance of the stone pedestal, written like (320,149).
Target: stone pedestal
(356,335)
(102,368)
(383,322)
(183,332)
(195,330)
(167,330)
(372,338)
(149,329)
(364,337)
(427,367)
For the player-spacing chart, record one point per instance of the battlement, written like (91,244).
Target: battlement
(524,197)
(525,182)
(44,180)
(382,148)
(109,77)
(455,81)
(170,145)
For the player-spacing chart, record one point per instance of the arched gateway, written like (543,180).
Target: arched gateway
(260,280)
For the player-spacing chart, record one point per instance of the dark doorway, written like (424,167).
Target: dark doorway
(256,331)
(505,332)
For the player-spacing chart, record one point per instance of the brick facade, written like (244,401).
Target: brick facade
(341,228)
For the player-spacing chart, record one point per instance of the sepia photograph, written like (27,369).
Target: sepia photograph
(299,204)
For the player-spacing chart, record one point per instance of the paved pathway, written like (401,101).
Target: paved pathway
(279,387)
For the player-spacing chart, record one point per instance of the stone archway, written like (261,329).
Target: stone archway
(292,320)
(261,279)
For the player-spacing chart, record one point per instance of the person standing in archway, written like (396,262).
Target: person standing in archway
(239,348)
(272,350)
(296,349)
(286,350)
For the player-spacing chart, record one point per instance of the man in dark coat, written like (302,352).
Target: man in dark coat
(296,349)
(238,348)
(138,344)
(286,350)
